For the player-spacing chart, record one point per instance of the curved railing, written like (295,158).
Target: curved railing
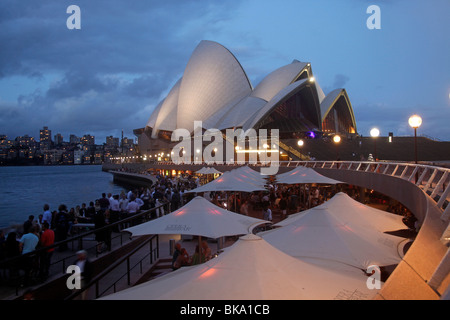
(433,180)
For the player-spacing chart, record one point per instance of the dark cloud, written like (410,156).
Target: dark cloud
(110,74)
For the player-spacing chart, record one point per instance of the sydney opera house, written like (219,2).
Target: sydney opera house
(215,90)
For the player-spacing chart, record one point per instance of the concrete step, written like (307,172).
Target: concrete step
(161,267)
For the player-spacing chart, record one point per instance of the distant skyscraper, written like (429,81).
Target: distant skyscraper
(45,141)
(58,139)
(88,140)
(112,142)
(74,139)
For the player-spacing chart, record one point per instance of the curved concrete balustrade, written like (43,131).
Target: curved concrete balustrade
(424,271)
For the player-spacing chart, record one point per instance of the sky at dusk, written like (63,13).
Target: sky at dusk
(110,74)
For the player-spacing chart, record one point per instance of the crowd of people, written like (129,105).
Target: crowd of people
(166,194)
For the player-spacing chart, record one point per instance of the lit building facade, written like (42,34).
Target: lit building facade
(216,91)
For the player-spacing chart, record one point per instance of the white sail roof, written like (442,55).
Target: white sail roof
(213,78)
(215,89)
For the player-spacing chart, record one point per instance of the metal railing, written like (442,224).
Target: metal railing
(434,181)
(152,255)
(16,263)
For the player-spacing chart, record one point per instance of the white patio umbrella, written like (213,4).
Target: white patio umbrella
(211,170)
(352,234)
(208,170)
(252,269)
(203,170)
(303,175)
(354,212)
(199,217)
(229,181)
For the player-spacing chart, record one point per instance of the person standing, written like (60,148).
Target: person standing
(176,253)
(114,211)
(103,202)
(244,208)
(283,206)
(62,226)
(28,244)
(28,224)
(47,239)
(176,200)
(47,215)
(267,213)
(100,235)
(86,271)
(90,211)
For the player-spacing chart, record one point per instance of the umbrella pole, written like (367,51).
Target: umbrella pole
(200,248)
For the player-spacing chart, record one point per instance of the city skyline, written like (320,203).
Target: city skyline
(109,75)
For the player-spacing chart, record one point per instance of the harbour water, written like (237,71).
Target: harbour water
(24,190)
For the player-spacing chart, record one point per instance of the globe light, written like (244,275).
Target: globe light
(337,139)
(415,121)
(374,132)
(300,142)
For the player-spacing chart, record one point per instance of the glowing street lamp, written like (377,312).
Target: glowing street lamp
(337,140)
(375,133)
(300,143)
(414,122)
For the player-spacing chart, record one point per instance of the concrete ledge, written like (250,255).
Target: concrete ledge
(409,279)
(406,284)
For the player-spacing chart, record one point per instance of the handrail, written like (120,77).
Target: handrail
(95,281)
(16,260)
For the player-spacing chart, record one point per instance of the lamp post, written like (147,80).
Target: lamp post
(414,122)
(375,133)
(336,140)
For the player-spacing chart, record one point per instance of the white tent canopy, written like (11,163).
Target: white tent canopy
(354,212)
(252,269)
(208,170)
(303,175)
(231,181)
(340,230)
(198,217)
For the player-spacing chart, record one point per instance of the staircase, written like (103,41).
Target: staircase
(293,151)
(161,267)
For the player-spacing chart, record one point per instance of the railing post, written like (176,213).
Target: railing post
(128,271)
(151,251)
(404,172)
(439,184)
(430,181)
(422,176)
(413,174)
(443,197)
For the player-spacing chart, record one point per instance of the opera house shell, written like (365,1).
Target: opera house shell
(215,90)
